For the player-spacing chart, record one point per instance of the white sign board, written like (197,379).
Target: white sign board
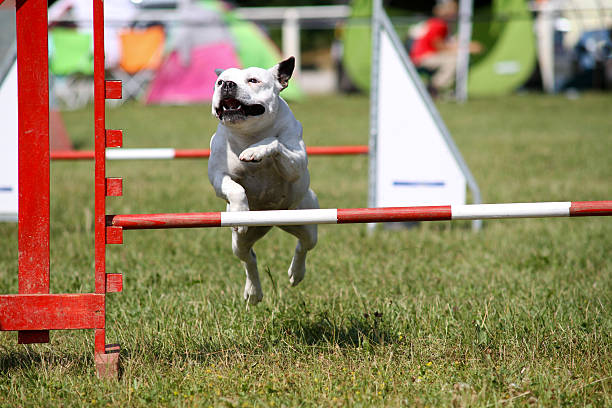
(414,164)
(8,146)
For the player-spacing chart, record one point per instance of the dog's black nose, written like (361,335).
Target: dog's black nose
(228,89)
(228,85)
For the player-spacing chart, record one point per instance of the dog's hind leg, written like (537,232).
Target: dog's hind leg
(307,239)
(242,246)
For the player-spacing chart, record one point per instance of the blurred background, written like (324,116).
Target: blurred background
(166,51)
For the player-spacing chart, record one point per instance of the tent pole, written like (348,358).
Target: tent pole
(291,39)
(463,50)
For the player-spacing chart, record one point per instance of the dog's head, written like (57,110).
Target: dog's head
(245,97)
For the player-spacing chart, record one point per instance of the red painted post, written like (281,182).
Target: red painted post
(100,147)
(100,168)
(33,116)
(107,362)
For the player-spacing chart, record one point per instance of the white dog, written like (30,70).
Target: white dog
(258,162)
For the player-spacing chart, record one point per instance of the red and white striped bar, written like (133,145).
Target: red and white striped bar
(361,215)
(170,153)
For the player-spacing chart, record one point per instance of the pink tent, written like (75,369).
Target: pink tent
(179,83)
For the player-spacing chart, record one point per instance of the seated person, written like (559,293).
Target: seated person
(433,48)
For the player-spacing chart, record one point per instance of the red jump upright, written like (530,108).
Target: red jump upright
(33,117)
(33,311)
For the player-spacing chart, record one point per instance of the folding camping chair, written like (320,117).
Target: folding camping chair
(71,64)
(141,54)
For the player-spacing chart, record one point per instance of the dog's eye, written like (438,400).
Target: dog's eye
(253,80)
(219,82)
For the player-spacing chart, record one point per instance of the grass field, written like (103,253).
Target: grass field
(516,315)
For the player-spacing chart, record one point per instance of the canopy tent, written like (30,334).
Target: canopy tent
(187,74)
(574,43)
(198,37)
(506,31)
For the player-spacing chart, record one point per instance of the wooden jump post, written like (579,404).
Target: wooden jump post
(34,311)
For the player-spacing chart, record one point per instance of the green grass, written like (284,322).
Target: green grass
(516,315)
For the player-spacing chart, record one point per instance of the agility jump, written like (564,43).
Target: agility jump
(34,310)
(361,215)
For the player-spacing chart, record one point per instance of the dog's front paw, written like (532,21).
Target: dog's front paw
(252,294)
(254,154)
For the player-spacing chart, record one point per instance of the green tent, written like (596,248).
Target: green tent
(510,56)
(504,28)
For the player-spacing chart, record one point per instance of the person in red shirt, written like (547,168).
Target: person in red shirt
(433,48)
(431,40)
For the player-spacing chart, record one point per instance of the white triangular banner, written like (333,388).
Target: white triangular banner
(414,163)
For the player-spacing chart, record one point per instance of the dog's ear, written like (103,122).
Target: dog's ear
(284,69)
(219,71)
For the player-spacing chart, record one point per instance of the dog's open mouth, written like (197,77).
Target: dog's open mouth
(232,109)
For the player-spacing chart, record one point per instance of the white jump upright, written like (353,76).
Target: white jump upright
(413,158)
